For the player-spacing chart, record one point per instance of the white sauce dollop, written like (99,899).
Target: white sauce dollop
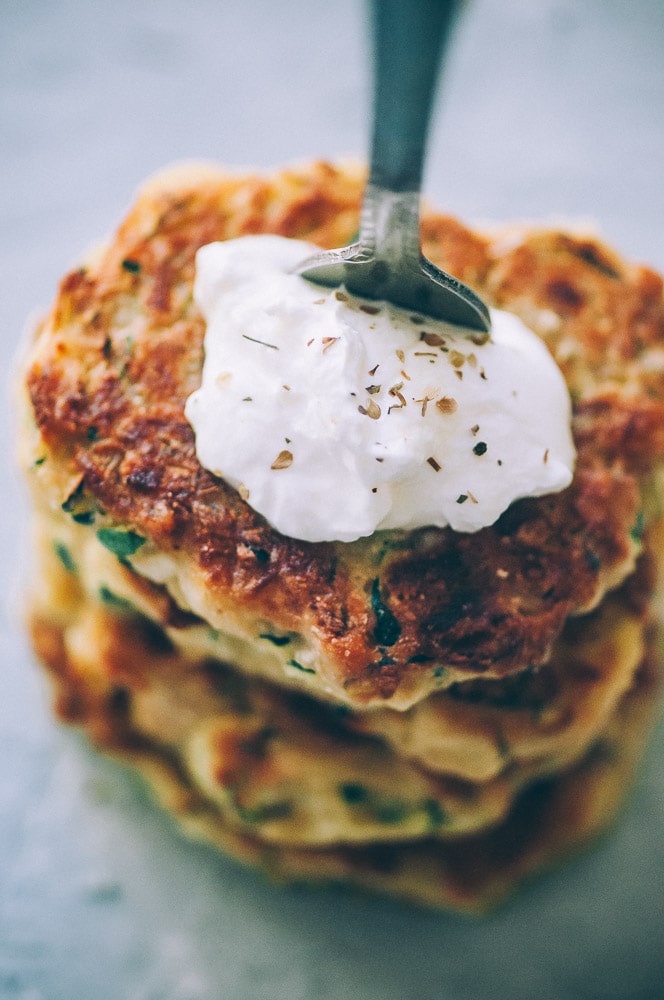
(335,417)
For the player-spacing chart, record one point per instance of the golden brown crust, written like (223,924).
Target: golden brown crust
(122,350)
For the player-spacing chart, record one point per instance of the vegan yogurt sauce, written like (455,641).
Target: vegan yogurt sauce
(335,416)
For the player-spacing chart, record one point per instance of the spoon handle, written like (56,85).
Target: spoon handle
(386,262)
(409,36)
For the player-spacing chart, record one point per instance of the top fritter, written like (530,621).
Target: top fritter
(389,618)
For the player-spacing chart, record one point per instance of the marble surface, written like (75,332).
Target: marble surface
(549,108)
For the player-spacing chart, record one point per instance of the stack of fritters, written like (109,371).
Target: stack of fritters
(429,713)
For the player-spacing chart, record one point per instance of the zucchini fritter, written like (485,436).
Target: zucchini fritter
(383,621)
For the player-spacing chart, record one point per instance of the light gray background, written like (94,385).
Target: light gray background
(549,108)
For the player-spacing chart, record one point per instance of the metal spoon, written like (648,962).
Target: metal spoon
(386,262)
